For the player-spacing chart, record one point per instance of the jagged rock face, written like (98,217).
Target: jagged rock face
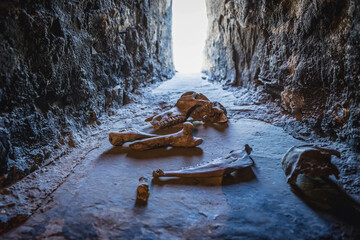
(62,63)
(304,52)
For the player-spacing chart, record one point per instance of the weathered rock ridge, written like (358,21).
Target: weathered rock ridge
(64,63)
(304,52)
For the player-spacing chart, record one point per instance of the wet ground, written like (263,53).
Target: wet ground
(97,199)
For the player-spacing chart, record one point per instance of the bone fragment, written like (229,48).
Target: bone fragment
(212,112)
(168,118)
(118,139)
(310,160)
(142,192)
(183,138)
(190,104)
(218,167)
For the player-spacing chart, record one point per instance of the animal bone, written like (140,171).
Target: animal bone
(142,191)
(190,104)
(216,168)
(118,139)
(310,160)
(210,113)
(183,138)
(168,118)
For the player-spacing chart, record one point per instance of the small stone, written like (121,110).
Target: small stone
(143,191)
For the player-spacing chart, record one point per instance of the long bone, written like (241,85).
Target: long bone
(183,138)
(118,139)
(218,167)
(190,104)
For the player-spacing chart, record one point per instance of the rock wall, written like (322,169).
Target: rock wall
(304,52)
(63,63)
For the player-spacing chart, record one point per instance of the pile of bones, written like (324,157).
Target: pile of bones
(191,106)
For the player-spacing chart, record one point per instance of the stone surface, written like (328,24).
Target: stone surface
(64,63)
(305,53)
(98,199)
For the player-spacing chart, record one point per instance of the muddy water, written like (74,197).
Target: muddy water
(98,199)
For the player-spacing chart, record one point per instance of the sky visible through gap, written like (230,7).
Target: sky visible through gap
(189,34)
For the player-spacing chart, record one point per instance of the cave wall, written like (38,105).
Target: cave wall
(64,63)
(304,52)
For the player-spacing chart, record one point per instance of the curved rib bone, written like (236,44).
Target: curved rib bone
(190,104)
(118,139)
(310,160)
(216,168)
(183,138)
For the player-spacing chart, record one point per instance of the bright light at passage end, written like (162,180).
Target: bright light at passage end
(189,34)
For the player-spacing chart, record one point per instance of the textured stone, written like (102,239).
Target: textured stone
(309,48)
(99,201)
(64,62)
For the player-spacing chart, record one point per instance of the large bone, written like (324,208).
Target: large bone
(190,104)
(183,138)
(168,118)
(218,167)
(310,160)
(118,139)
(212,112)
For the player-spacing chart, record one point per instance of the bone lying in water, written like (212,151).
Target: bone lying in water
(218,167)
(142,192)
(310,160)
(190,104)
(183,138)
(118,139)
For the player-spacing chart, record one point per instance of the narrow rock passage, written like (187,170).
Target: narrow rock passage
(97,201)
